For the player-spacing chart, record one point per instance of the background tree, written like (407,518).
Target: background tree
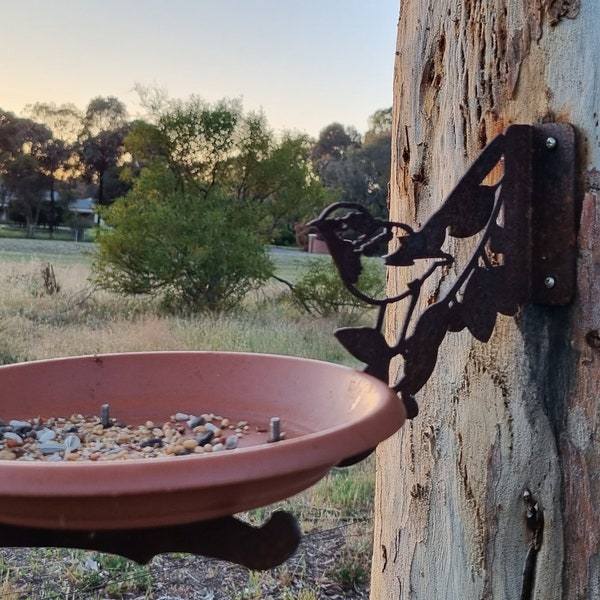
(522,410)
(23,178)
(54,157)
(61,162)
(274,178)
(210,185)
(356,172)
(25,149)
(209,146)
(380,124)
(334,141)
(100,144)
(64,120)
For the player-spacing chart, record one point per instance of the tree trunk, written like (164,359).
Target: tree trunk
(520,411)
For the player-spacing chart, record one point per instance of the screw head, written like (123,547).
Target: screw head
(551,143)
(549,282)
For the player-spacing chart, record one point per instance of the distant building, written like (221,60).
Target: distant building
(85,209)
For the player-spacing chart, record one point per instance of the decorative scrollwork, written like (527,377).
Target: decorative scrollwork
(494,280)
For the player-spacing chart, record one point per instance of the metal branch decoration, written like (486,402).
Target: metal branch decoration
(524,251)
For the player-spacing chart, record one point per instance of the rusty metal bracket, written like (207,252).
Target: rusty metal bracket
(516,202)
(226,538)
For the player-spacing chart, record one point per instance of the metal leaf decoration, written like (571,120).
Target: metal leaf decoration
(484,288)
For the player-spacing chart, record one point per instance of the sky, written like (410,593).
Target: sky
(304,63)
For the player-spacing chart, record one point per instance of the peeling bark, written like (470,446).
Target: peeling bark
(521,411)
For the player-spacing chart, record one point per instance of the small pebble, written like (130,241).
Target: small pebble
(205,438)
(190,444)
(7,455)
(51,447)
(72,442)
(152,443)
(178,449)
(46,435)
(231,442)
(10,436)
(196,422)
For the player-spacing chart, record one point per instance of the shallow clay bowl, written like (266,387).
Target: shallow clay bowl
(328,412)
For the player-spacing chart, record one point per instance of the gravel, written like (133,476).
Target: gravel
(101,438)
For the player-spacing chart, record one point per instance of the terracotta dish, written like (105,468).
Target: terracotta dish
(328,413)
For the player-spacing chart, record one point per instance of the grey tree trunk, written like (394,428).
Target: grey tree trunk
(521,411)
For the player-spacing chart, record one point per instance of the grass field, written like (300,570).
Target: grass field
(78,319)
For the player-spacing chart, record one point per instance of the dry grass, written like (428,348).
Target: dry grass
(82,320)
(334,559)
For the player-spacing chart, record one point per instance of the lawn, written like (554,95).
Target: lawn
(20,249)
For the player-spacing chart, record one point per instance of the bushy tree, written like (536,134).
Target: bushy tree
(100,143)
(218,145)
(334,142)
(197,251)
(27,153)
(211,187)
(278,183)
(355,171)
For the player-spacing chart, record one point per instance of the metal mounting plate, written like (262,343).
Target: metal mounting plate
(553,225)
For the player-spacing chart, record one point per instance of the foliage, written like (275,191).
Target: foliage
(100,143)
(321,291)
(211,186)
(64,120)
(352,569)
(380,123)
(197,251)
(208,146)
(24,148)
(353,171)
(334,142)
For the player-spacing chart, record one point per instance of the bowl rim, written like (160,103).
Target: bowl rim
(313,451)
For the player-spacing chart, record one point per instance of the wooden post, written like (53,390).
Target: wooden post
(520,412)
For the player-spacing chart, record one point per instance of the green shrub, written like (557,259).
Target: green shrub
(321,291)
(197,251)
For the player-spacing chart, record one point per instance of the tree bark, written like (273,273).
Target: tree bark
(522,410)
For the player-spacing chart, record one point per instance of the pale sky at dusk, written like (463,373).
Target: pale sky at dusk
(306,63)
